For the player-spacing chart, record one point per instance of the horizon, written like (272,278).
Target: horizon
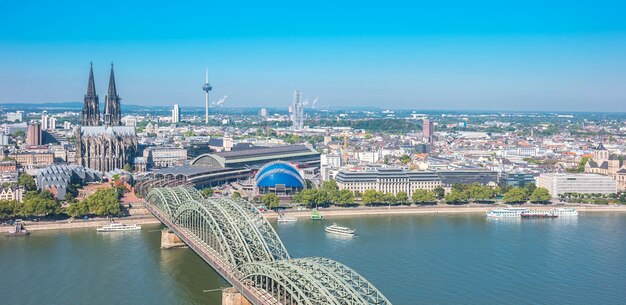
(435,57)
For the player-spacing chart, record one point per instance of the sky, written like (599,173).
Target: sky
(439,55)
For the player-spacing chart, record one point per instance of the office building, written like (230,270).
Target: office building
(175,114)
(34,135)
(562,183)
(17,116)
(387,180)
(297,116)
(428,130)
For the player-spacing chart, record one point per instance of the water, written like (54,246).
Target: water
(412,259)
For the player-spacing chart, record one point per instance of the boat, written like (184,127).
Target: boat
(18,230)
(335,229)
(566,212)
(316,215)
(118,227)
(506,213)
(538,214)
(283,218)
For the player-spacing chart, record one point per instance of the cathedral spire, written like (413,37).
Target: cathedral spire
(112,109)
(91,111)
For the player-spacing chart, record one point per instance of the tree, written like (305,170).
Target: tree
(405,159)
(439,192)
(540,195)
(530,188)
(402,197)
(371,197)
(9,208)
(345,197)
(515,195)
(270,200)
(104,202)
(389,198)
(39,204)
(19,133)
(77,209)
(207,192)
(236,195)
(581,164)
(481,193)
(423,196)
(27,182)
(456,196)
(128,168)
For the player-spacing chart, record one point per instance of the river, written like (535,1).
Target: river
(412,259)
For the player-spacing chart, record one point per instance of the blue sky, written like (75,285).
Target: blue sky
(498,55)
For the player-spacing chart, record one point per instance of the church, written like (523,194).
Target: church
(104,145)
(605,163)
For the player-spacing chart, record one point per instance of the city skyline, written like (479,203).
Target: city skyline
(546,57)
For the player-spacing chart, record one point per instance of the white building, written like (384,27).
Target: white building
(263,112)
(368,157)
(44,122)
(129,121)
(67,125)
(4,139)
(175,114)
(387,180)
(17,116)
(561,183)
(52,123)
(332,160)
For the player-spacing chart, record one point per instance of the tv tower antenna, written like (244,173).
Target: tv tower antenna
(206,88)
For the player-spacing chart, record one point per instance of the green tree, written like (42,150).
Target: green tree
(207,192)
(457,196)
(77,209)
(405,159)
(128,168)
(371,197)
(402,198)
(439,192)
(389,198)
(39,204)
(540,195)
(515,195)
(27,182)
(270,200)
(481,193)
(345,197)
(236,195)
(423,196)
(19,133)
(9,208)
(581,164)
(104,202)
(530,188)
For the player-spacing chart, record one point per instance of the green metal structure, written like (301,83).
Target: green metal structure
(238,239)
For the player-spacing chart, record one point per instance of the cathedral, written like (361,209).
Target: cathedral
(104,146)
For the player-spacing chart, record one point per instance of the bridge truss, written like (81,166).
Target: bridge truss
(246,250)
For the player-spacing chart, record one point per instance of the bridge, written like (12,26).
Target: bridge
(234,238)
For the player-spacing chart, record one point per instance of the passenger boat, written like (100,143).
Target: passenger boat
(283,218)
(539,214)
(118,227)
(506,213)
(18,230)
(335,229)
(316,215)
(566,212)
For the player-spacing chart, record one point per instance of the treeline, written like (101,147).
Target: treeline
(594,198)
(34,204)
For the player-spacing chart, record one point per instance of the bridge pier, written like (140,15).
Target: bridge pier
(230,296)
(170,240)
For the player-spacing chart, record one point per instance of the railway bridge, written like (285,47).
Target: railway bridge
(234,238)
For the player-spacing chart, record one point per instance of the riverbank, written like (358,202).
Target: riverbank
(91,223)
(434,209)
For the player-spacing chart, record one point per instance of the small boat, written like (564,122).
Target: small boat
(335,229)
(283,218)
(316,215)
(18,230)
(118,227)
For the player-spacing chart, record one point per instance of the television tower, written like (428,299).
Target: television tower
(206,88)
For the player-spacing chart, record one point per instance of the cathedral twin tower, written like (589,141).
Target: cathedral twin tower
(91,109)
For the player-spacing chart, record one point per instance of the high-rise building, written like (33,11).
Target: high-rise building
(175,114)
(263,112)
(112,107)
(52,123)
(428,129)
(297,108)
(34,134)
(44,122)
(17,116)
(67,125)
(91,110)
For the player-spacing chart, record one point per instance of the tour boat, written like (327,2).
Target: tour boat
(335,229)
(117,227)
(506,213)
(565,212)
(283,218)
(316,215)
(18,230)
(538,214)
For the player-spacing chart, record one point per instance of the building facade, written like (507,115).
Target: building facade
(175,114)
(33,159)
(165,156)
(34,135)
(562,183)
(387,180)
(12,193)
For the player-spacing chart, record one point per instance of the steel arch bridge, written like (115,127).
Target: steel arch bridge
(240,244)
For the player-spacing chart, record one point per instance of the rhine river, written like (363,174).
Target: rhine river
(412,259)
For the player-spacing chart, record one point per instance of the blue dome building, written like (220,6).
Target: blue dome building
(279,177)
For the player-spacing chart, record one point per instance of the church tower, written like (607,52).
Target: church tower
(112,109)
(91,111)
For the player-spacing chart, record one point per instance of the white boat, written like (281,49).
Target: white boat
(283,218)
(117,227)
(335,229)
(507,212)
(565,212)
